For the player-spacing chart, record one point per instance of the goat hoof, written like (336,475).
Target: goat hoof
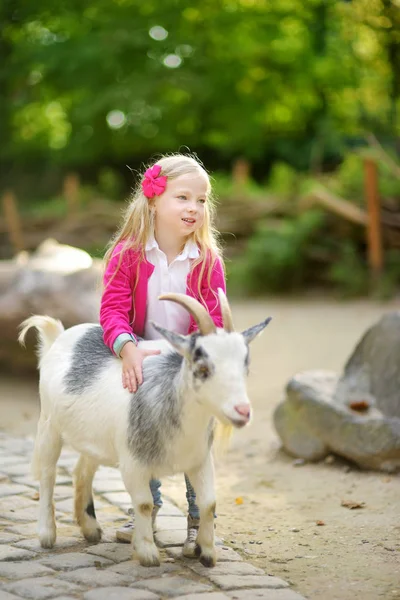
(93,536)
(148,556)
(197,550)
(149,562)
(208,560)
(47,539)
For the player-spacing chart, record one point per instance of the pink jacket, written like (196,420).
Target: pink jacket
(124,311)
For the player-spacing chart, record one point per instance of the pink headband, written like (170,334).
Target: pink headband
(153,183)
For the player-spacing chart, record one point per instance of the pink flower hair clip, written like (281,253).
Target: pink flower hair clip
(153,183)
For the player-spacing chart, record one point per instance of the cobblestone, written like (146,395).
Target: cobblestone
(208,596)
(231,582)
(164,539)
(114,551)
(8,538)
(92,577)
(10,553)
(174,586)
(74,560)
(12,490)
(136,570)
(119,593)
(62,543)
(284,594)
(226,568)
(7,596)
(41,588)
(76,570)
(19,570)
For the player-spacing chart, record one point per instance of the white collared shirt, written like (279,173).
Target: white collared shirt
(164,279)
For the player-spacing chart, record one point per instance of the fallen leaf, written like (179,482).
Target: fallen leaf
(239,500)
(352,504)
(320,523)
(359,405)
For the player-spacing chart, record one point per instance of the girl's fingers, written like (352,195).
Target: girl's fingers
(138,373)
(129,380)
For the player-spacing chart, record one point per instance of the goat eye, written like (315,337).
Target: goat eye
(202,372)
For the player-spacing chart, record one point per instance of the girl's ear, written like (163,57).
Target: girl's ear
(177,341)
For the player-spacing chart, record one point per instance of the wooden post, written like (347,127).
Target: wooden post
(13,221)
(71,193)
(240,172)
(374,236)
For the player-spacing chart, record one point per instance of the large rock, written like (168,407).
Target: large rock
(356,415)
(56,280)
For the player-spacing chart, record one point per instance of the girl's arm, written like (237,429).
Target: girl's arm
(116,303)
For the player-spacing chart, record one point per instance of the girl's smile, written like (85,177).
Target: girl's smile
(180,209)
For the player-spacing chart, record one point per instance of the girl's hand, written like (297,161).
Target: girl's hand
(132,359)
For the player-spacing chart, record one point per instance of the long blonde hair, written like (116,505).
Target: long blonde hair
(137,225)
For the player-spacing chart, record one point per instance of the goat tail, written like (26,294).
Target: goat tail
(49,329)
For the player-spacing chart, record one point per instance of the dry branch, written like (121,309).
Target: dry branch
(337,205)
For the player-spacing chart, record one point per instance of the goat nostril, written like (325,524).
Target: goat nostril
(243,409)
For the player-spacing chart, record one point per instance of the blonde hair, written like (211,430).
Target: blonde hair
(137,225)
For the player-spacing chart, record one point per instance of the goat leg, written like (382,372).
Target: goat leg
(137,483)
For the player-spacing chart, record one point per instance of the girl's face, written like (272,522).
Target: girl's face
(180,209)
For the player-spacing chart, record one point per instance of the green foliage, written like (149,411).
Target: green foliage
(276,256)
(102,81)
(110,183)
(283,181)
(388,283)
(351,277)
(349,273)
(225,188)
(348,180)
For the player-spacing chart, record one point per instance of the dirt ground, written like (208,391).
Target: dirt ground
(268,507)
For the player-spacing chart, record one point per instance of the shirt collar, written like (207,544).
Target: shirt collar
(190,249)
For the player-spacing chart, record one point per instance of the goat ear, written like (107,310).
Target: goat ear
(179,342)
(252,332)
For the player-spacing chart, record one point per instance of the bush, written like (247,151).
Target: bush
(276,256)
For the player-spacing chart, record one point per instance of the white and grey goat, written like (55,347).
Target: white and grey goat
(166,427)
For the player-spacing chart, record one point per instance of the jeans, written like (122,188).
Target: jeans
(155,485)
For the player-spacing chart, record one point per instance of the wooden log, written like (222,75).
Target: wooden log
(337,205)
(240,172)
(71,193)
(13,221)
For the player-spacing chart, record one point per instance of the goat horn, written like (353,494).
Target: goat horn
(226,312)
(197,310)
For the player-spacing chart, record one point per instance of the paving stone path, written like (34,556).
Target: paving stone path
(105,571)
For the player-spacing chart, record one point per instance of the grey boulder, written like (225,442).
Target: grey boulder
(56,280)
(355,415)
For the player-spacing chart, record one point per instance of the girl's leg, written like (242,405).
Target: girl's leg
(194,512)
(155,485)
(189,547)
(124,533)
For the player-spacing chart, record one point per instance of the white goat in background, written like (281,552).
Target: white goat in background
(166,427)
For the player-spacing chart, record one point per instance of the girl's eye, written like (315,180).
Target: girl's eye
(202,201)
(182,197)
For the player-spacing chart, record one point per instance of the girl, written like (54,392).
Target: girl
(167,243)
